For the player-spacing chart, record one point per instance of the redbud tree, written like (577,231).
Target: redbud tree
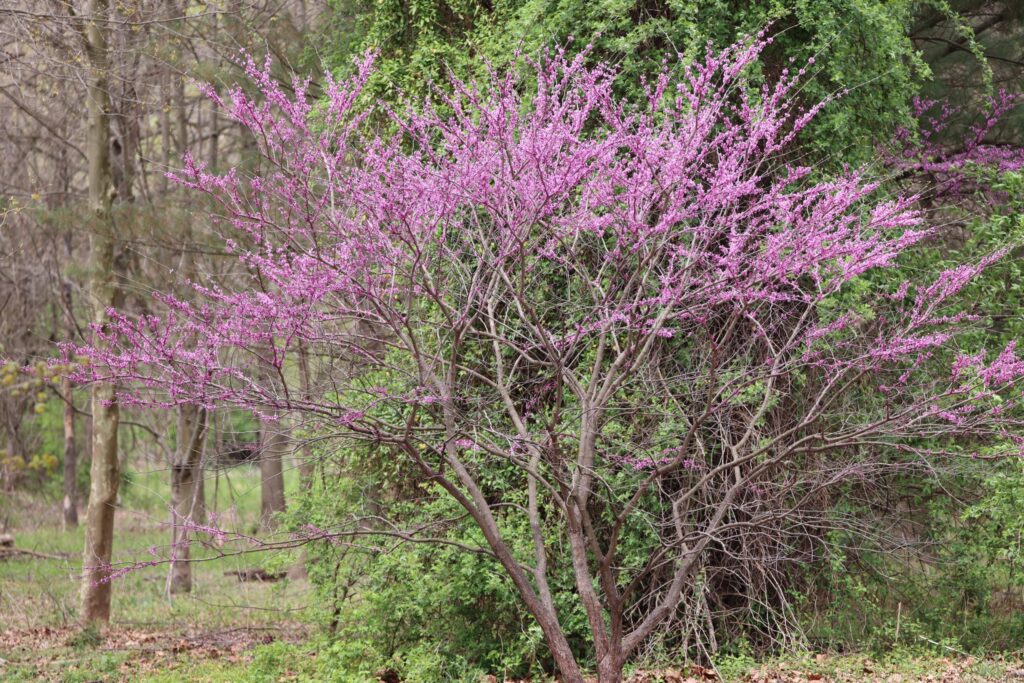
(651,315)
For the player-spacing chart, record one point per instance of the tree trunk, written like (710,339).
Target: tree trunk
(187,501)
(609,670)
(99,517)
(305,454)
(69,505)
(271,471)
(104,470)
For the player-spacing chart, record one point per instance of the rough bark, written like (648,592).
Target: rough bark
(105,475)
(187,502)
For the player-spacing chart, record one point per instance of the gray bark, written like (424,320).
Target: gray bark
(105,470)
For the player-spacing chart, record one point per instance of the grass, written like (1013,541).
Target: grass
(226,631)
(291,662)
(898,666)
(39,635)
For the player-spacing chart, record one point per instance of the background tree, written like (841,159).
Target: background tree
(105,475)
(151,116)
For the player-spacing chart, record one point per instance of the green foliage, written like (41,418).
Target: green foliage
(430,611)
(859,45)
(958,590)
(998,522)
(416,608)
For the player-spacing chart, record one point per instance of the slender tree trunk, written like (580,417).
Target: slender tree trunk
(104,470)
(69,505)
(541,606)
(187,501)
(165,132)
(180,117)
(272,472)
(99,517)
(199,509)
(213,158)
(305,454)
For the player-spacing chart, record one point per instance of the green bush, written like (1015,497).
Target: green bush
(431,611)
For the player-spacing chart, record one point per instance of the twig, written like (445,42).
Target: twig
(5,552)
(951,649)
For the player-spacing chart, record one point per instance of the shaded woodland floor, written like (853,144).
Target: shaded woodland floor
(151,634)
(228,631)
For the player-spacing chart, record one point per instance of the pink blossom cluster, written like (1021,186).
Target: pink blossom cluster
(948,160)
(659,222)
